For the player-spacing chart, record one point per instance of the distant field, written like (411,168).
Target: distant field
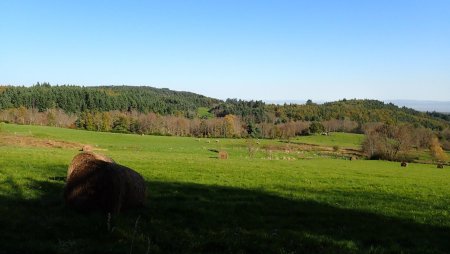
(282,202)
(347,140)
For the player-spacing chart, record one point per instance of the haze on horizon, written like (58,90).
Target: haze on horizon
(269,50)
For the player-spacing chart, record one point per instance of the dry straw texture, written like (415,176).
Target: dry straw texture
(96,182)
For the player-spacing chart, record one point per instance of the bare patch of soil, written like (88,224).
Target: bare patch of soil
(28,141)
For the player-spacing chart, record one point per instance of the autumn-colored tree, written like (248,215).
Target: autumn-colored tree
(106,121)
(231,126)
(61,118)
(204,132)
(301,127)
(371,142)
(287,131)
(387,141)
(423,137)
(436,150)
(444,137)
(21,114)
(121,124)
(51,117)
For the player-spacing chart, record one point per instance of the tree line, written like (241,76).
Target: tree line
(133,121)
(229,126)
(395,142)
(360,111)
(383,141)
(77,99)
(147,110)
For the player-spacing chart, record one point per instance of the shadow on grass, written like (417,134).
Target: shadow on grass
(192,218)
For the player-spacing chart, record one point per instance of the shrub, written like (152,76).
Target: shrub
(436,150)
(252,147)
(446,145)
(316,127)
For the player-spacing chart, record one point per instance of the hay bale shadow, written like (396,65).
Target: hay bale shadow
(58,178)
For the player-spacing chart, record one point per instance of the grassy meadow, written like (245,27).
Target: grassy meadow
(347,140)
(270,196)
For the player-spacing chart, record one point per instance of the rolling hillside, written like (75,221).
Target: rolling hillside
(76,100)
(289,200)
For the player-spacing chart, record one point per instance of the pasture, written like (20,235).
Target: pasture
(347,140)
(267,197)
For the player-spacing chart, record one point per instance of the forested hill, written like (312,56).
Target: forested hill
(361,111)
(358,111)
(75,99)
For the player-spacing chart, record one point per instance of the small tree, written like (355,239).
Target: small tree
(230,126)
(316,127)
(252,147)
(387,142)
(21,114)
(253,131)
(51,117)
(106,121)
(121,124)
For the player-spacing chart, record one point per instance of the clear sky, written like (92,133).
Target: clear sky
(320,50)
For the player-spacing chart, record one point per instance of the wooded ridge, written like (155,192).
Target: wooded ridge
(78,100)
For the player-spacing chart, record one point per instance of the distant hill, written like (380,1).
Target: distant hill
(360,111)
(438,106)
(75,99)
(419,105)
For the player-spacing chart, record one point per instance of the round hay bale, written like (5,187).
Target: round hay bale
(223,155)
(136,188)
(97,183)
(83,158)
(404,164)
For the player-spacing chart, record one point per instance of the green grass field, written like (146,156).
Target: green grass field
(199,204)
(340,139)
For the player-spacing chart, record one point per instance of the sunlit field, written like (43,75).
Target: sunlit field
(270,196)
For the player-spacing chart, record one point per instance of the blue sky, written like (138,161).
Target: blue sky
(322,50)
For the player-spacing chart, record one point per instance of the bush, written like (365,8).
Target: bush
(316,127)
(436,150)
(252,147)
(446,145)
